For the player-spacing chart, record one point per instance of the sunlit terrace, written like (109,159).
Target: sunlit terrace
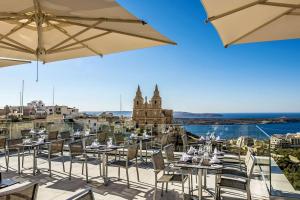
(214,158)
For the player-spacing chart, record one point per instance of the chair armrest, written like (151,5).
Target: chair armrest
(233,172)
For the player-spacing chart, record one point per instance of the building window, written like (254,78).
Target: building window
(137,102)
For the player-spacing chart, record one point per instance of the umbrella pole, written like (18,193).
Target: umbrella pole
(37,69)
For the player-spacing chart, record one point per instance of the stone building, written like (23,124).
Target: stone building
(150,113)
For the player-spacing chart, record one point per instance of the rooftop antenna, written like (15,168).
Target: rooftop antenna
(53,95)
(22,101)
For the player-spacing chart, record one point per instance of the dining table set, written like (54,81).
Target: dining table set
(39,139)
(198,160)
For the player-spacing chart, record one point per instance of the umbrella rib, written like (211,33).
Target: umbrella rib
(11,48)
(77,41)
(135,21)
(259,27)
(287,5)
(210,19)
(73,36)
(116,31)
(12,14)
(16,47)
(15,29)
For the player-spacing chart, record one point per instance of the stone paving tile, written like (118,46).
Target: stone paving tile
(59,187)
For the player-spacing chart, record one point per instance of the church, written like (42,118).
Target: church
(150,113)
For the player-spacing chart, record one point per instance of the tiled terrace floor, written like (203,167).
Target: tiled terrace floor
(59,187)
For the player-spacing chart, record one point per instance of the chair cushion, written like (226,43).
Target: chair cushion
(119,163)
(233,183)
(172,178)
(233,172)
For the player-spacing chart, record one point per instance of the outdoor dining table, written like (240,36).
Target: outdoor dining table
(142,139)
(104,150)
(6,182)
(202,170)
(35,146)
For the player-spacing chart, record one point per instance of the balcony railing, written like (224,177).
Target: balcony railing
(277,171)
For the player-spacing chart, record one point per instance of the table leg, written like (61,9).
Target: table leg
(99,157)
(104,168)
(34,161)
(200,184)
(141,150)
(19,164)
(204,174)
(106,161)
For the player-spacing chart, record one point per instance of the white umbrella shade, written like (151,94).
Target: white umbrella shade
(6,62)
(52,30)
(246,21)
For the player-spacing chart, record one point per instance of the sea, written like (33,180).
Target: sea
(231,131)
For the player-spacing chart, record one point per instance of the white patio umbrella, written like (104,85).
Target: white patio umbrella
(5,62)
(245,21)
(52,30)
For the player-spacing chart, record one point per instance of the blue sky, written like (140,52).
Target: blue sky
(197,75)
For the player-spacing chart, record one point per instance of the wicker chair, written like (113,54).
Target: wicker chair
(12,145)
(237,184)
(28,192)
(238,149)
(159,165)
(164,140)
(84,195)
(3,150)
(237,168)
(132,154)
(186,143)
(102,137)
(53,135)
(77,151)
(55,151)
(25,133)
(65,135)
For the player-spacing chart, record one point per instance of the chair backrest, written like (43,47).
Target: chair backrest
(239,142)
(27,192)
(250,166)
(118,138)
(185,143)
(56,146)
(11,143)
(169,151)
(84,195)
(76,148)
(158,161)
(248,154)
(25,133)
(102,137)
(164,140)
(53,135)
(65,135)
(2,142)
(132,152)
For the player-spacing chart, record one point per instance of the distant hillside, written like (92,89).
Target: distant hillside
(176,114)
(196,115)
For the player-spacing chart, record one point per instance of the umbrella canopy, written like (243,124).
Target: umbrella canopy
(245,21)
(52,30)
(5,62)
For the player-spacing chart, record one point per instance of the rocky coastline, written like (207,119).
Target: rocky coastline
(242,121)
